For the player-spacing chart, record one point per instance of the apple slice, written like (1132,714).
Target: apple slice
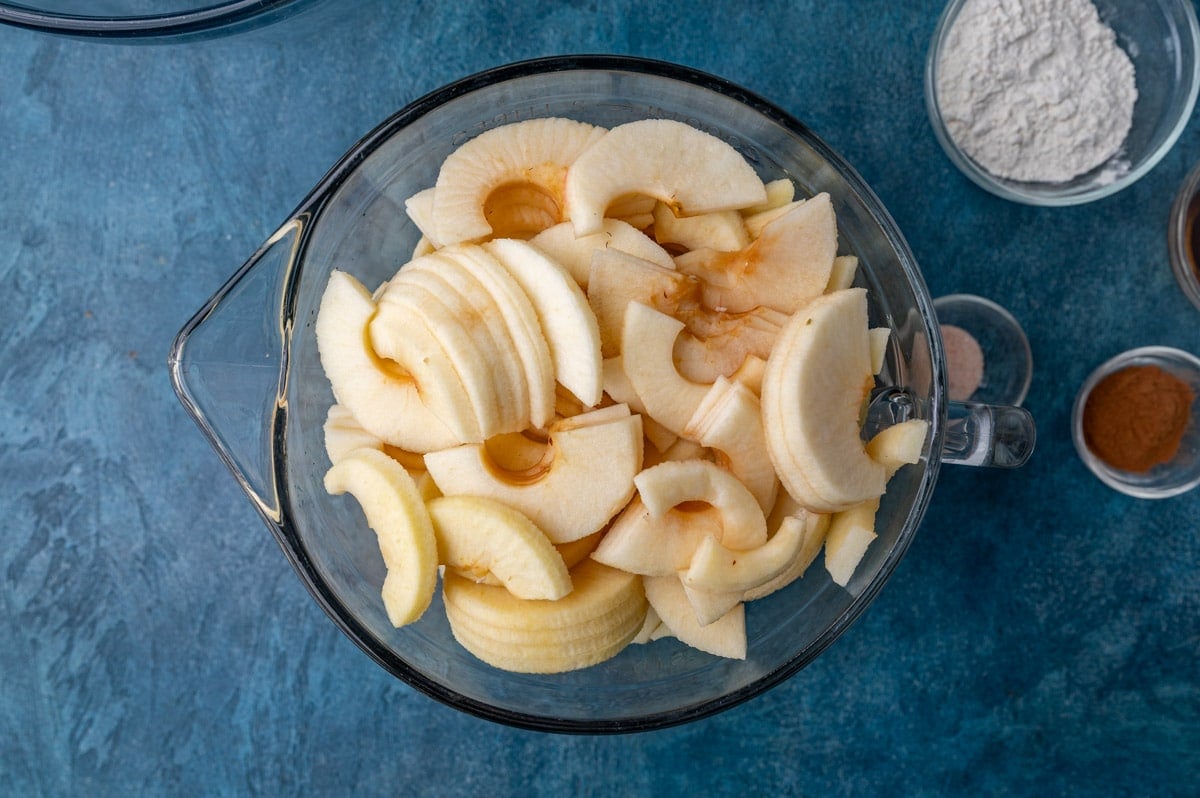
(668,397)
(850,534)
(722,230)
(687,482)
(575,253)
(585,479)
(717,343)
(720,569)
(845,267)
(533,154)
(879,337)
(818,378)
(690,170)
(783,268)
(641,542)
(520,318)
(709,605)
(725,637)
(815,526)
(617,279)
(419,208)
(899,445)
(386,397)
(566,318)
(779,192)
(729,420)
(396,512)
(477,536)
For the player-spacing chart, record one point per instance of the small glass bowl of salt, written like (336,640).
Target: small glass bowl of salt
(1061,102)
(988,358)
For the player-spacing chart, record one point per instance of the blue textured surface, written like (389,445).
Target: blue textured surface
(1041,637)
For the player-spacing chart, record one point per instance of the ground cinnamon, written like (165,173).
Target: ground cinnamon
(1135,418)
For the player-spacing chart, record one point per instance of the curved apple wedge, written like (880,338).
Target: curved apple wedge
(649,362)
(814,526)
(534,155)
(478,536)
(687,482)
(899,445)
(386,397)
(850,534)
(640,542)
(585,478)
(617,279)
(724,637)
(396,512)
(592,623)
(729,419)
(567,321)
(783,268)
(817,378)
(690,170)
(721,569)
(575,253)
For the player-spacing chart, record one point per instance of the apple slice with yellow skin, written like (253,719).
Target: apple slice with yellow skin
(396,512)
(850,534)
(641,542)
(477,536)
(585,478)
(817,379)
(534,155)
(687,482)
(729,420)
(783,268)
(899,445)
(779,192)
(722,231)
(617,279)
(385,397)
(575,253)
(562,309)
(594,622)
(649,362)
(690,170)
(725,637)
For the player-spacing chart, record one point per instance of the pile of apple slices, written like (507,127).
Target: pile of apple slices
(615,394)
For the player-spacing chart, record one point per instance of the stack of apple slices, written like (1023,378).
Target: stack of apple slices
(614,395)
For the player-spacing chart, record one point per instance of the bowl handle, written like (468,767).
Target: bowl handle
(229,365)
(977,434)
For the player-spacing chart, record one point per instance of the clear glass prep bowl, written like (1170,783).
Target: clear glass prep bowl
(142,19)
(1162,38)
(246,367)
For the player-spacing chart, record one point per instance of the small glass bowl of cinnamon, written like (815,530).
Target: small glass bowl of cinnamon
(1135,422)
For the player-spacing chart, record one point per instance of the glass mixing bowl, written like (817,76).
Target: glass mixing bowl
(1162,38)
(143,19)
(246,367)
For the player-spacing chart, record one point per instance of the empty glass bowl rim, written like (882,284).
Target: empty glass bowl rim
(1012,190)
(202,19)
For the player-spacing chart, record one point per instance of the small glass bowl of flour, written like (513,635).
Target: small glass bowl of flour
(1060,102)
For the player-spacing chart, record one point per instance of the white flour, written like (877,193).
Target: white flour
(1035,90)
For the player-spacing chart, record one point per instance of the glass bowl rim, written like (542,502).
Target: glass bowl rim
(1177,244)
(220,15)
(1011,190)
(296,551)
(1102,471)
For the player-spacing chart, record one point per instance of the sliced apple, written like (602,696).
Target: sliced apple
(815,526)
(899,445)
(396,512)
(686,482)
(419,208)
(690,170)
(817,380)
(717,343)
(722,230)
(845,267)
(729,420)
(779,192)
(783,268)
(386,397)
(566,318)
(642,542)
(575,253)
(879,337)
(710,605)
(533,155)
(619,279)
(477,536)
(649,363)
(720,569)
(850,534)
(725,637)
(585,479)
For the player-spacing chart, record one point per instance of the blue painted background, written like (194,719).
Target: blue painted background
(1041,637)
